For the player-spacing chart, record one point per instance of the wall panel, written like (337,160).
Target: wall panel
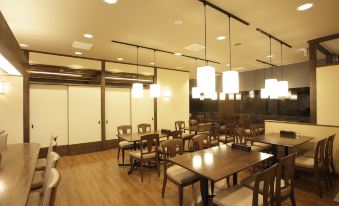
(142,110)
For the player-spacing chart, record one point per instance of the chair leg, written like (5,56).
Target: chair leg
(164,186)
(123,156)
(228,182)
(181,195)
(118,153)
(292,197)
(317,179)
(212,187)
(142,171)
(158,166)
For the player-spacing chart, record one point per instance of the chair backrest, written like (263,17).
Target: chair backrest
(54,137)
(179,125)
(52,160)
(2,131)
(200,118)
(52,146)
(3,140)
(319,155)
(254,130)
(329,149)
(267,177)
(214,132)
(124,129)
(230,129)
(198,141)
(177,134)
(240,137)
(143,128)
(171,148)
(149,144)
(50,184)
(193,123)
(285,172)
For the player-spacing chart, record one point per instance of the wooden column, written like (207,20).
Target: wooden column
(155,79)
(313,82)
(103,106)
(26,113)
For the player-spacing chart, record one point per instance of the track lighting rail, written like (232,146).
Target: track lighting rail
(273,37)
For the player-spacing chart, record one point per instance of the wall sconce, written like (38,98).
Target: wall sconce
(167,92)
(2,87)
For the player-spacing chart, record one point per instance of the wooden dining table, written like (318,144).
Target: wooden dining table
(275,139)
(203,127)
(217,163)
(16,172)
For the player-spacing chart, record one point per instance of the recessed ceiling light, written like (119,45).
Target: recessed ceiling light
(152,63)
(305,6)
(23,45)
(270,56)
(78,53)
(120,59)
(111,1)
(178,54)
(179,22)
(221,38)
(88,36)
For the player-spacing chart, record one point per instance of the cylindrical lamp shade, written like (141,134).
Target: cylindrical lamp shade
(195,93)
(222,96)
(206,79)
(214,96)
(270,86)
(251,94)
(230,82)
(282,88)
(137,90)
(263,94)
(202,97)
(230,96)
(154,90)
(238,96)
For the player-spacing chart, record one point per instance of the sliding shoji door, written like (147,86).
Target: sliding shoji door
(48,114)
(118,110)
(142,110)
(84,114)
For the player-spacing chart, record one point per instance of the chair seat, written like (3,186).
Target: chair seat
(38,180)
(250,180)
(137,155)
(181,175)
(34,199)
(263,145)
(160,149)
(223,138)
(187,136)
(236,196)
(41,164)
(304,162)
(125,144)
(161,139)
(309,153)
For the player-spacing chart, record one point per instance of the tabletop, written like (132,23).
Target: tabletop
(135,136)
(16,172)
(276,139)
(203,127)
(219,162)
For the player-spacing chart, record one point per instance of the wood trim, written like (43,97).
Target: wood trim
(83,148)
(26,104)
(313,82)
(103,106)
(302,123)
(62,150)
(110,144)
(325,38)
(155,110)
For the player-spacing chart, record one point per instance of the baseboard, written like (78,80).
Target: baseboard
(110,144)
(83,148)
(62,150)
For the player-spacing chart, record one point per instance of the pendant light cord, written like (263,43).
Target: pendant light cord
(229,40)
(137,62)
(281,58)
(154,58)
(205,32)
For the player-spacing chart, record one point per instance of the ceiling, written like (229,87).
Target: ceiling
(52,26)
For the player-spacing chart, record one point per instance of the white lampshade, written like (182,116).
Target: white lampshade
(230,82)
(271,86)
(137,90)
(231,96)
(282,87)
(263,94)
(222,96)
(206,79)
(251,94)
(167,92)
(214,96)
(202,97)
(294,97)
(195,93)
(238,96)
(154,90)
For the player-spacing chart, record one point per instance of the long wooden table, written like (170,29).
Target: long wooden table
(276,140)
(218,163)
(16,172)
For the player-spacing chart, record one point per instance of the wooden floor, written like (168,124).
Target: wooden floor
(96,179)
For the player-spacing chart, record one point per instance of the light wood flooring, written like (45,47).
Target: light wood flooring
(95,179)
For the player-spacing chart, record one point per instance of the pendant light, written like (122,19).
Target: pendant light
(154,88)
(251,93)
(206,74)
(222,96)
(282,85)
(137,88)
(230,79)
(238,96)
(196,94)
(263,92)
(270,84)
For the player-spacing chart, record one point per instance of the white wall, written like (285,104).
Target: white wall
(327,95)
(176,107)
(11,108)
(316,131)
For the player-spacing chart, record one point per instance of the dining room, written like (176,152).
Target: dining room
(158,102)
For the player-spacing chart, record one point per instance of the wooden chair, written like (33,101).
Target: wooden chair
(177,134)
(315,165)
(240,138)
(143,128)
(284,182)
(45,197)
(239,195)
(176,174)
(40,176)
(200,118)
(193,123)
(123,144)
(229,134)
(3,139)
(148,152)
(214,135)
(254,131)
(329,162)
(42,162)
(198,142)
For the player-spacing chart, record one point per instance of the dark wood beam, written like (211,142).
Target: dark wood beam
(328,54)
(103,106)
(313,82)
(325,38)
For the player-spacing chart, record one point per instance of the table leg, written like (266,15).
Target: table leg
(275,153)
(235,178)
(286,151)
(204,190)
